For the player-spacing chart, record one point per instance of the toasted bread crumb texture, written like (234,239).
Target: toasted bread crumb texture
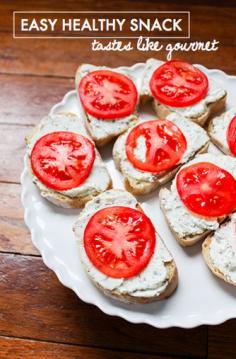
(182,222)
(98,180)
(152,281)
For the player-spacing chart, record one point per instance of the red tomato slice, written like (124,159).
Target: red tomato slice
(62,160)
(108,95)
(179,84)
(119,241)
(165,145)
(207,190)
(231,136)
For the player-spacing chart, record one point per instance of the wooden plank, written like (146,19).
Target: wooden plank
(14,236)
(59,58)
(203,12)
(221,341)
(33,304)
(29,97)
(12,149)
(12,348)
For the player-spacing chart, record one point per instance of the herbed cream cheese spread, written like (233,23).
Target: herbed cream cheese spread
(196,138)
(181,220)
(215,92)
(222,249)
(152,281)
(100,128)
(220,126)
(150,66)
(98,179)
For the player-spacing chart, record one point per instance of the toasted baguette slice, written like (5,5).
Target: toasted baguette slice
(141,182)
(157,281)
(98,180)
(217,130)
(219,251)
(187,227)
(102,132)
(213,103)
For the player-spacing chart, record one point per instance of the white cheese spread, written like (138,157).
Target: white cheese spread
(98,179)
(215,93)
(100,128)
(196,138)
(220,126)
(181,220)
(152,280)
(222,249)
(150,66)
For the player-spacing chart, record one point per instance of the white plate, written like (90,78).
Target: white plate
(200,298)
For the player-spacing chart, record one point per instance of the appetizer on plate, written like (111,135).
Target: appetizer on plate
(219,251)
(177,86)
(121,251)
(150,153)
(64,163)
(109,98)
(222,131)
(201,196)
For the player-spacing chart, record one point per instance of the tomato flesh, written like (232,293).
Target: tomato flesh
(179,84)
(207,190)
(62,160)
(165,144)
(108,95)
(231,136)
(119,241)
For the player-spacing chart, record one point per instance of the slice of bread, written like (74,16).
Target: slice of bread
(188,239)
(213,103)
(74,198)
(141,182)
(217,130)
(187,227)
(219,252)
(104,131)
(157,281)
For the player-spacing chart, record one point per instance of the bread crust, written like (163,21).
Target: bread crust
(163,111)
(219,144)
(206,255)
(101,141)
(54,197)
(126,297)
(186,241)
(144,187)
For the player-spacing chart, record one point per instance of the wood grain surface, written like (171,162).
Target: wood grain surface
(39,318)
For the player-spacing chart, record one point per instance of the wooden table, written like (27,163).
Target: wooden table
(39,318)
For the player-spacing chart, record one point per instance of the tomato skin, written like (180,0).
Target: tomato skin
(179,84)
(119,241)
(165,145)
(207,190)
(231,136)
(62,160)
(108,95)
